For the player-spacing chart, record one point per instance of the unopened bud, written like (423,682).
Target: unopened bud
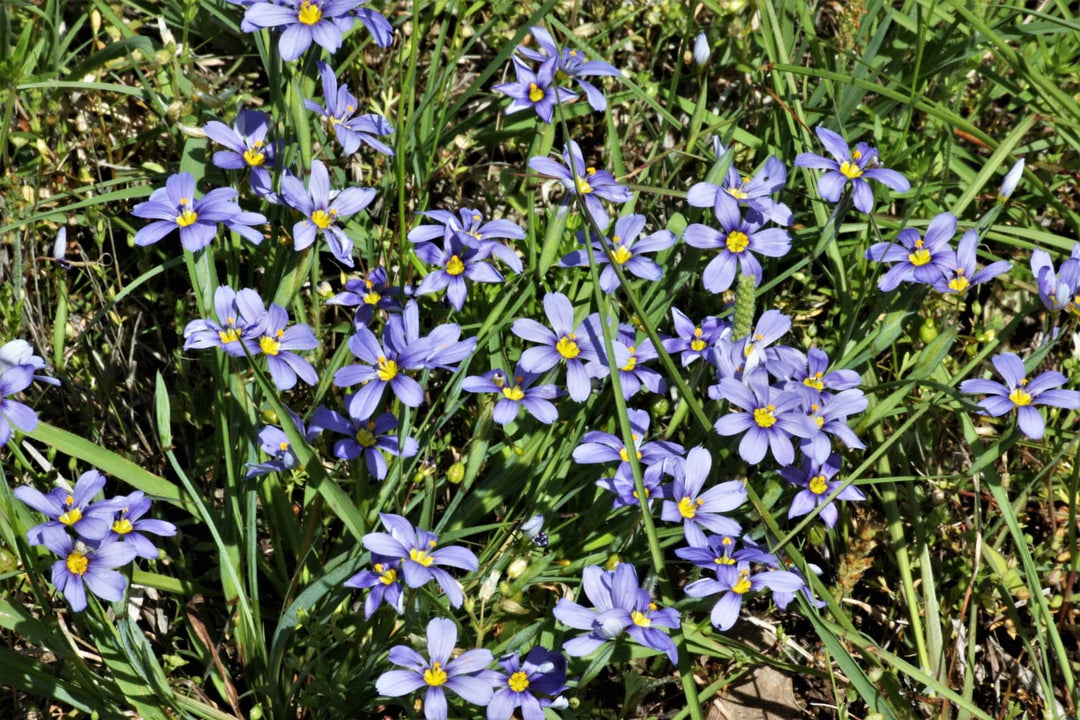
(701,50)
(517,568)
(489,586)
(1012,178)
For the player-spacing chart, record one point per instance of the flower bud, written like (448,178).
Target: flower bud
(456,473)
(1008,185)
(701,50)
(517,568)
(489,586)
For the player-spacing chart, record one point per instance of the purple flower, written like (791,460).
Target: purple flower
(694,341)
(322,209)
(813,374)
(237,329)
(588,182)
(20,352)
(455,261)
(959,268)
(918,259)
(817,484)
(1022,394)
(304,21)
(174,207)
(478,232)
(1058,291)
(366,438)
(531,685)
(630,359)
(737,243)
(247,148)
(130,525)
(70,508)
(340,115)
(571,64)
(602,447)
(274,442)
(753,193)
(734,581)
(82,566)
(276,341)
(13,414)
(384,583)
(829,413)
(619,605)
(856,167)
(438,674)
(626,251)
(562,343)
(420,560)
(696,509)
(625,490)
(380,28)
(753,350)
(515,394)
(367,294)
(720,550)
(769,418)
(534,90)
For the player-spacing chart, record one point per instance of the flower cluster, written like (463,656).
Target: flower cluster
(107,534)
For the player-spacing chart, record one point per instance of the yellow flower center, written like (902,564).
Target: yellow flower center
(640,619)
(77,563)
(364,437)
(638,497)
(454,266)
(310,13)
(388,369)
(737,193)
(818,485)
(435,675)
(568,347)
(814,382)
(322,219)
(421,557)
(959,283)
(621,254)
(625,456)
(269,345)
(583,186)
(697,345)
(688,508)
(518,682)
(188,217)
(372,298)
(513,393)
(254,157)
(856,155)
(631,363)
(764,417)
(387,576)
(724,560)
(71,517)
(737,241)
(122,526)
(850,170)
(743,585)
(283,446)
(229,335)
(1020,397)
(536,94)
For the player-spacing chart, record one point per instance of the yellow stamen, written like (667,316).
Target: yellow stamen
(365,438)
(421,557)
(513,393)
(77,564)
(850,170)
(1020,397)
(322,219)
(737,193)
(959,283)
(269,345)
(536,94)
(435,675)
(186,218)
(814,382)
(71,517)
(388,576)
(818,485)
(254,157)
(518,682)
(688,508)
(737,241)
(229,335)
(621,254)
(310,13)
(454,266)
(568,347)
(743,585)
(583,186)
(631,363)
(387,370)
(372,298)
(122,526)
(640,619)
(764,417)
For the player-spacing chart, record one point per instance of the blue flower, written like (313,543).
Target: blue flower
(571,64)
(322,210)
(13,414)
(515,394)
(340,114)
(626,251)
(438,674)
(588,182)
(274,442)
(534,90)
(815,479)
(1021,394)
(368,294)
(768,417)
(247,148)
(455,263)
(532,684)
(70,508)
(20,352)
(277,340)
(478,232)
(175,207)
(959,269)
(738,242)
(696,509)
(365,438)
(752,192)
(733,582)
(917,259)
(1060,290)
(237,328)
(563,343)
(130,525)
(854,167)
(304,21)
(384,583)
(83,566)
(693,341)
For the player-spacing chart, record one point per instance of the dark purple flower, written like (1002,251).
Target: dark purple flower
(247,148)
(384,583)
(478,232)
(768,417)
(626,251)
(420,560)
(532,684)
(322,209)
(455,261)
(534,90)
(514,394)
(82,566)
(304,21)
(237,327)
(563,343)
(71,508)
(856,167)
(340,115)
(738,242)
(274,442)
(918,259)
(130,525)
(367,294)
(571,64)
(588,182)
(694,341)
(1022,394)
(734,581)
(696,509)
(619,605)
(366,438)
(817,485)
(174,207)
(438,674)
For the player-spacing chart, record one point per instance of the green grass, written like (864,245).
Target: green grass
(948,591)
